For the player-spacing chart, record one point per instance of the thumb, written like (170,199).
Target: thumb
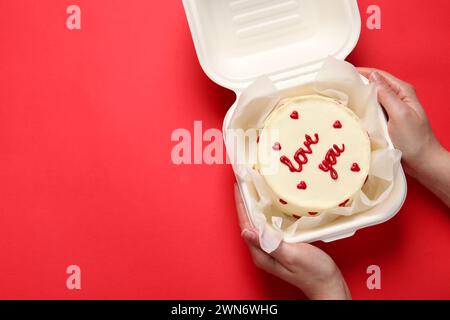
(386,94)
(283,254)
(251,236)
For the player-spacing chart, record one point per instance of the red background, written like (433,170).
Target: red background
(86,176)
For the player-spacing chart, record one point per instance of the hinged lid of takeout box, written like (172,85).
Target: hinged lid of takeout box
(288,40)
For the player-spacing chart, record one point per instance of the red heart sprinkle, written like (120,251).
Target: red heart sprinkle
(344,203)
(312,213)
(337,124)
(302,185)
(296,216)
(355,167)
(276,146)
(294,115)
(282,201)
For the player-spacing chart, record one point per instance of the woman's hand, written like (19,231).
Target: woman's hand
(408,124)
(423,156)
(302,265)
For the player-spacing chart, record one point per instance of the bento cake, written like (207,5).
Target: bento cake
(320,154)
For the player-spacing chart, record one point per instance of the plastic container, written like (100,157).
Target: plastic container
(287,40)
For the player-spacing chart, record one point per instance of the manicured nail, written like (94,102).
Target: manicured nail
(247,234)
(375,76)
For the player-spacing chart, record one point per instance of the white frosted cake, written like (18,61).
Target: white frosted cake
(318,152)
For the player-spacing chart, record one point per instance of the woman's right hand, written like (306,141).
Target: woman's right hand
(423,156)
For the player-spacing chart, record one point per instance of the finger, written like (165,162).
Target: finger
(393,80)
(263,260)
(244,222)
(387,96)
(365,71)
(402,89)
(267,263)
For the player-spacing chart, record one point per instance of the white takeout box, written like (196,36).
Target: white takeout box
(287,40)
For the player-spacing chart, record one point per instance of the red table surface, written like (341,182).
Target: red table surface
(86,176)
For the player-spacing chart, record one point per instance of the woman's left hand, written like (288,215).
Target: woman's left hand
(302,265)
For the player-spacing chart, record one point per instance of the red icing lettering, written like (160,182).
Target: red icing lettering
(313,213)
(331,160)
(344,203)
(301,154)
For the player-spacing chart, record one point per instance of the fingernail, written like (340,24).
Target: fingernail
(375,76)
(247,234)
